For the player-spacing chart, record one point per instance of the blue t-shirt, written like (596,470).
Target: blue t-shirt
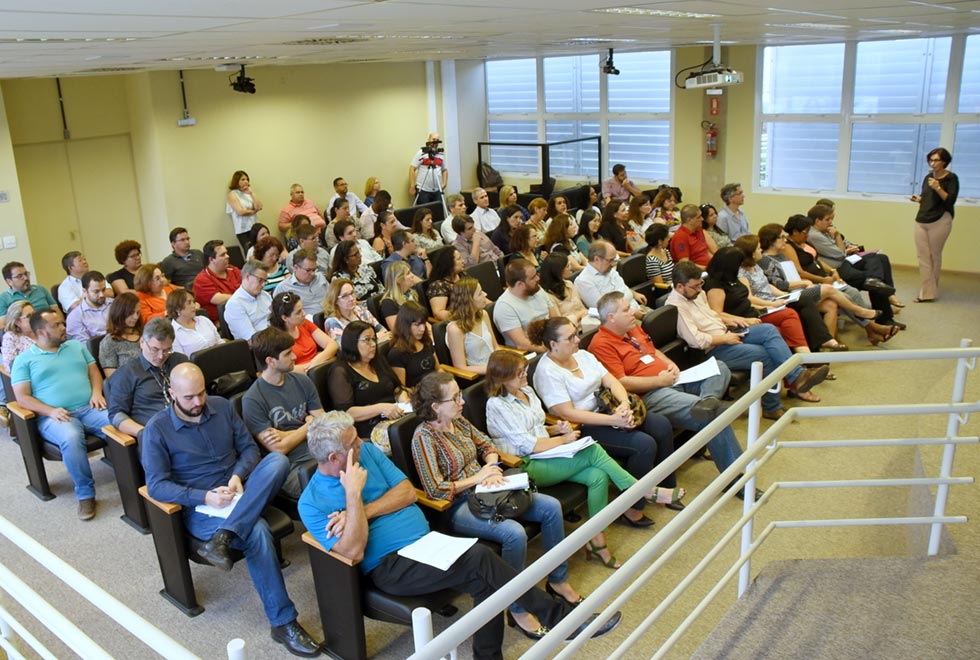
(37,295)
(58,379)
(386,534)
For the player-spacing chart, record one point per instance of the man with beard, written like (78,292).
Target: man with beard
(89,317)
(198,451)
(523,301)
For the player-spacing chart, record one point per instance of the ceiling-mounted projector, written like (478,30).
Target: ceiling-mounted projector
(720,77)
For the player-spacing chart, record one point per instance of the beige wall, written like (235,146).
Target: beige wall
(12,222)
(308,124)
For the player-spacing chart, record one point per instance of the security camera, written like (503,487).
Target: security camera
(242,83)
(608,67)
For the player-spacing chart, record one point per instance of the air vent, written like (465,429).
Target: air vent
(113,69)
(327,41)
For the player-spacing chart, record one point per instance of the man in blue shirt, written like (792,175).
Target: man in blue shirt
(18,278)
(197,451)
(58,380)
(361,506)
(406,250)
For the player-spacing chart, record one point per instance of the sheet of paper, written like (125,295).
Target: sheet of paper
(516,481)
(209,510)
(839,285)
(789,270)
(567,450)
(853,259)
(770,310)
(405,406)
(706,369)
(790,297)
(438,550)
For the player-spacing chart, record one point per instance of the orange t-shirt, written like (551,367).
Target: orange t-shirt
(153,306)
(305,348)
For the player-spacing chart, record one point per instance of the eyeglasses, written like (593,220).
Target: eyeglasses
(346,295)
(458,398)
(260,279)
(21,276)
(935,160)
(165,352)
(369,340)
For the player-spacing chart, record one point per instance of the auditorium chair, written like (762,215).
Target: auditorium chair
(633,269)
(223,359)
(488,276)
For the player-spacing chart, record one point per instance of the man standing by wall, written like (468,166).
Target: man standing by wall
(427,174)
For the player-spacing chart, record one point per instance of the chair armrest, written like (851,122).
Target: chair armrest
(459,373)
(509,460)
(118,436)
(551,420)
(309,540)
(168,508)
(425,500)
(20,411)
(661,285)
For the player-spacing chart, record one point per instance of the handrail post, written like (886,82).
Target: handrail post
(422,629)
(236,649)
(949,451)
(748,490)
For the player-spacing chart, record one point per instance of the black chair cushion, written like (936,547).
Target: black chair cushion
(52,452)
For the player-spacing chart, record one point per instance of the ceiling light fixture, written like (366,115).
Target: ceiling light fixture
(665,13)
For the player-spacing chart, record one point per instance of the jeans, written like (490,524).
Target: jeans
(643,447)
(592,467)
(675,404)
(70,439)
(761,343)
(253,537)
(512,537)
(478,572)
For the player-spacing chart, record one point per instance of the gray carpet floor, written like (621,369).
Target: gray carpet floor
(123,562)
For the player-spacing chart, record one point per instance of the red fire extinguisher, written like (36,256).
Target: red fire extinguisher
(710,138)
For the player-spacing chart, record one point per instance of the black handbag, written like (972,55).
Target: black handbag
(226,385)
(502,504)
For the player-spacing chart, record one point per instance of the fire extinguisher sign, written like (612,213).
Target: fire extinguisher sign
(714,106)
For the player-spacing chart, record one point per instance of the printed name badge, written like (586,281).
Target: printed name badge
(647,359)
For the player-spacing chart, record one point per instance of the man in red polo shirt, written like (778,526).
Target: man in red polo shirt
(215,284)
(629,355)
(689,241)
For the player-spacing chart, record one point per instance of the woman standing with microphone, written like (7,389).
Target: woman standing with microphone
(934,221)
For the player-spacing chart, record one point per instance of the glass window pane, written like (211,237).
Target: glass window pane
(643,84)
(800,155)
(576,159)
(642,146)
(512,86)
(966,159)
(970,88)
(571,84)
(514,159)
(802,79)
(889,158)
(906,77)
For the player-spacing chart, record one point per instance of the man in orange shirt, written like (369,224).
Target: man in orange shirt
(299,205)
(689,241)
(629,355)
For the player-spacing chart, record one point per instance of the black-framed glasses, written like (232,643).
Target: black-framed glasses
(368,340)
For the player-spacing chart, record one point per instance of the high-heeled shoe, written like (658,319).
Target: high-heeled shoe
(642,523)
(535,634)
(592,552)
(554,592)
(670,498)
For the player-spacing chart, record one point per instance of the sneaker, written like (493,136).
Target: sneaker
(86,509)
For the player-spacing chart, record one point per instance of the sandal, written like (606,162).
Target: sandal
(923,300)
(809,397)
(592,551)
(892,331)
(669,497)
(836,347)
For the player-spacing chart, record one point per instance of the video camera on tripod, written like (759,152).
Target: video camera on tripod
(432,148)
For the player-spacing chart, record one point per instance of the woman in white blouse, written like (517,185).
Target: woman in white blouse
(242,205)
(192,333)
(516,424)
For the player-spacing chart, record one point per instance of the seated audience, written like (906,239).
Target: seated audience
(89,317)
(123,329)
(138,389)
(600,277)
(405,249)
(18,280)
(614,228)
(593,205)
(560,238)
(427,238)
(311,345)
(176,472)
(473,246)
(129,255)
(347,264)
(539,209)
(508,196)
(70,289)
(567,379)
(255,234)
(362,382)
(557,204)
(371,188)
(659,264)
(340,190)
(689,240)
(469,334)
(411,355)
(17,335)
(619,188)
(731,218)
(298,204)
(399,289)
(57,379)
(368,218)
(152,290)
(451,457)
(192,331)
(292,242)
(588,230)
(484,217)
(555,273)
(457,207)
(524,244)
(268,250)
(511,219)
(665,208)
(516,424)
(640,214)
(341,308)
(219,279)
(706,330)
(523,302)
(280,405)
(446,269)
(183,264)
(345,230)
(339,212)
(247,310)
(306,281)
(384,227)
(307,238)
(709,223)
(352,476)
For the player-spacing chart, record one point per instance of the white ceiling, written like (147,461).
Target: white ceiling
(186,34)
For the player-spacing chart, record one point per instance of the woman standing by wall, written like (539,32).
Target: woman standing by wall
(934,221)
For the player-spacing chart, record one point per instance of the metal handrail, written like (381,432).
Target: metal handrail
(757,453)
(44,612)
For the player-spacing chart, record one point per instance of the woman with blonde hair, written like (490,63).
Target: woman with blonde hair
(371,188)
(399,289)
(340,309)
(508,197)
(17,336)
(469,334)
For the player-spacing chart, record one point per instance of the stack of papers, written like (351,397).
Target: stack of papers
(438,550)
(516,481)
(566,450)
(790,297)
(215,512)
(770,310)
(699,372)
